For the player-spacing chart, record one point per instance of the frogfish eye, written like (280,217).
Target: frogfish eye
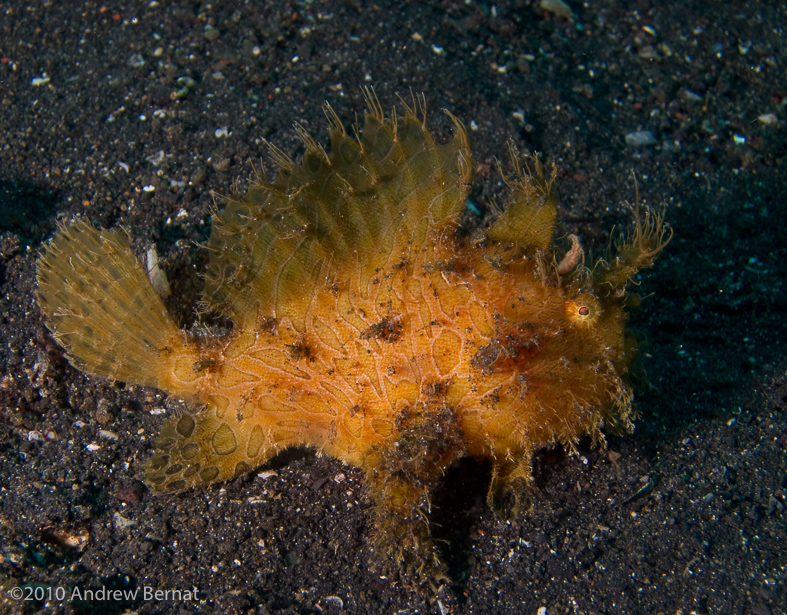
(584,309)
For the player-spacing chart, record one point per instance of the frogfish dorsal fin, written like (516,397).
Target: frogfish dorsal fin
(375,197)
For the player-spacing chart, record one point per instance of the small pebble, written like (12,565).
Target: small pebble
(121,523)
(136,60)
(222,166)
(103,415)
(557,7)
(640,138)
(198,178)
(648,53)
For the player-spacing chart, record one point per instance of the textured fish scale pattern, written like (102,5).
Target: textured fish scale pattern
(366,327)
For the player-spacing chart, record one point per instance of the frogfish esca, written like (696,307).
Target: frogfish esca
(366,326)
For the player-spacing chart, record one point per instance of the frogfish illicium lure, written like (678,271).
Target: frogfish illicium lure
(366,326)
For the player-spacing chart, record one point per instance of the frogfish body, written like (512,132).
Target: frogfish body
(365,326)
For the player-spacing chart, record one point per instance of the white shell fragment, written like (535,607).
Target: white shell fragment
(156,275)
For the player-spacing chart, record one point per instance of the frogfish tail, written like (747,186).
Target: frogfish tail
(102,309)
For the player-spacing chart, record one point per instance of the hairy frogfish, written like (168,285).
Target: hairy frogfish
(366,326)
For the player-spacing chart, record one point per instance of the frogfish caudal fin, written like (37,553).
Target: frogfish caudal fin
(102,308)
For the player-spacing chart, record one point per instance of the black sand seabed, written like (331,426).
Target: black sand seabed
(132,114)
